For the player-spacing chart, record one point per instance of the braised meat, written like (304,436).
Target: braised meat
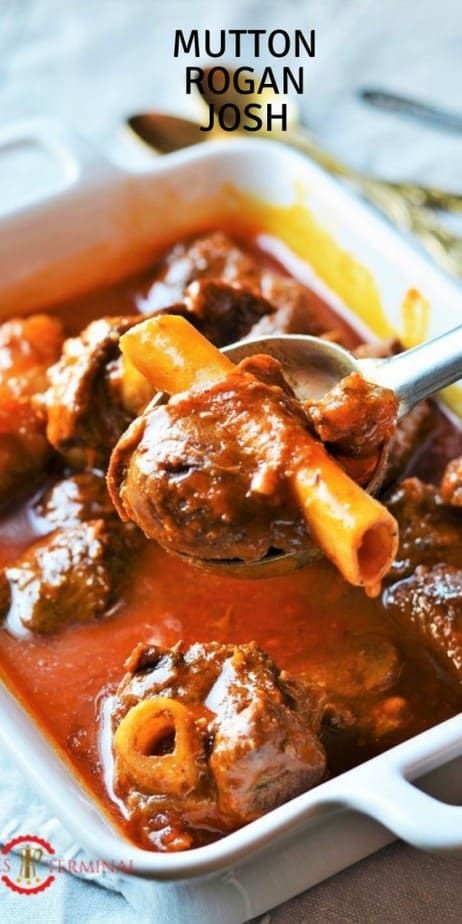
(251,732)
(212,283)
(213,256)
(412,430)
(84,402)
(206,473)
(429,530)
(428,606)
(359,679)
(27,347)
(407,441)
(265,744)
(222,312)
(293,309)
(77,573)
(451,483)
(228,295)
(366,666)
(71,576)
(378,349)
(356,417)
(204,737)
(75,500)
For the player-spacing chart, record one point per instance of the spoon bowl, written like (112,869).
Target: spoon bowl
(165,133)
(230,96)
(312,366)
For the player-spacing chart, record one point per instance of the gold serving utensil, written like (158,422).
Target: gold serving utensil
(165,133)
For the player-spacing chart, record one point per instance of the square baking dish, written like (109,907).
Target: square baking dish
(105,223)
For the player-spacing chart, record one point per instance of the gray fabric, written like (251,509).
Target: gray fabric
(89,63)
(398,885)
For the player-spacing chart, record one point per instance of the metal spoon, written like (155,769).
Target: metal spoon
(165,133)
(312,366)
(404,105)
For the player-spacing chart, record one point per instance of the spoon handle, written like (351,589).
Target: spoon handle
(422,371)
(403,105)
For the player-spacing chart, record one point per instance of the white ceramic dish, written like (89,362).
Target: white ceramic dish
(104,220)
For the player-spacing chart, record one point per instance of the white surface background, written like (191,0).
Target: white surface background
(89,63)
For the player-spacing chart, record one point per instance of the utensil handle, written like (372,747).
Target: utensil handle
(422,371)
(430,197)
(403,105)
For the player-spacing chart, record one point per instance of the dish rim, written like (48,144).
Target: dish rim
(392,769)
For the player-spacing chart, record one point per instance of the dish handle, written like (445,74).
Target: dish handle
(77,161)
(74,233)
(390,797)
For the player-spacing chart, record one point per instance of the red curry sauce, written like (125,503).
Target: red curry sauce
(64,679)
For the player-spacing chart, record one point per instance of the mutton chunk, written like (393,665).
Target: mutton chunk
(430,531)
(451,483)
(365,666)
(265,746)
(28,346)
(212,257)
(75,500)
(71,576)
(355,417)
(410,435)
(294,308)
(206,474)
(227,295)
(428,608)
(255,731)
(84,404)
(359,678)
(222,312)
(411,430)
(77,572)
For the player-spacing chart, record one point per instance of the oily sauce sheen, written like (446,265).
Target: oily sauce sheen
(64,679)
